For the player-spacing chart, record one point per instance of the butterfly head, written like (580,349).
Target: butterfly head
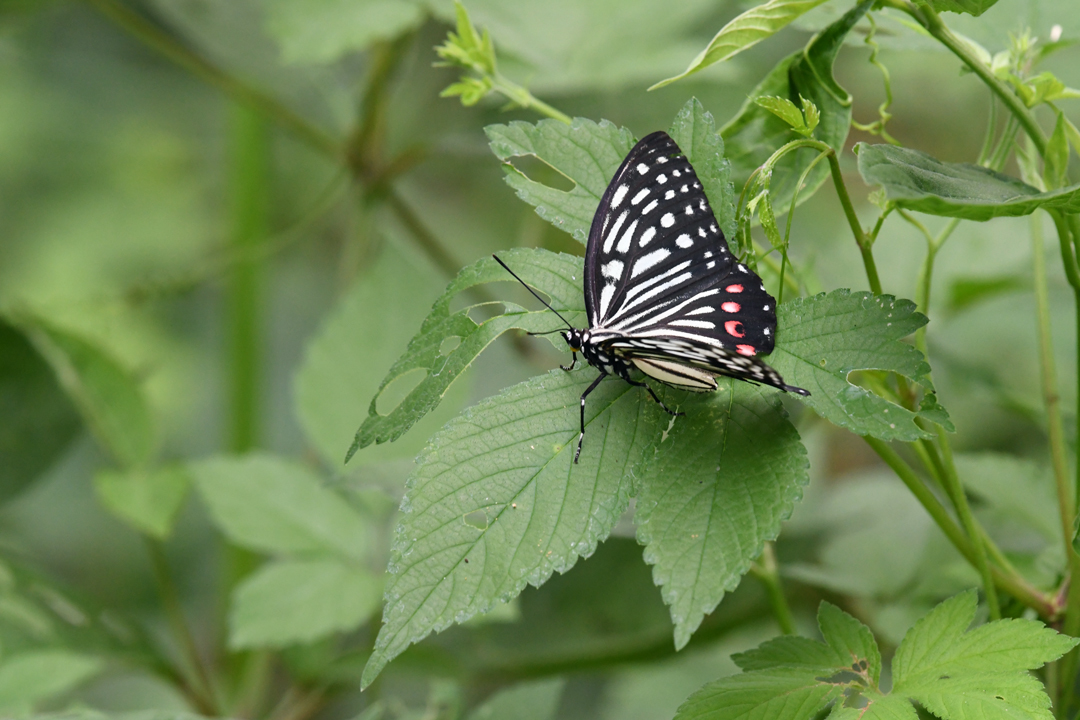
(574,338)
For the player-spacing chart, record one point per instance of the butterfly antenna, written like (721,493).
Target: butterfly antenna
(535,294)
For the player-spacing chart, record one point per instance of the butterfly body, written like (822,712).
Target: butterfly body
(663,293)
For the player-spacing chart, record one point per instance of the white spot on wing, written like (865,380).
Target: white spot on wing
(627,237)
(610,239)
(703,324)
(689,210)
(661,178)
(648,207)
(648,261)
(620,193)
(684,241)
(649,234)
(605,298)
(642,168)
(613,269)
(644,193)
(669,194)
(667,220)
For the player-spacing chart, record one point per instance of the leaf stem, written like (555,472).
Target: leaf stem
(522,97)
(768,572)
(161,42)
(200,684)
(1010,582)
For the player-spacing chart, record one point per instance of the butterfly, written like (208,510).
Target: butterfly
(663,293)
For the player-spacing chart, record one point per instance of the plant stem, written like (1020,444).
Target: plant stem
(861,238)
(200,684)
(1010,582)
(520,96)
(160,41)
(768,572)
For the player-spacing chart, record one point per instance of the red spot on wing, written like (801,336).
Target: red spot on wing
(731,307)
(734,288)
(746,350)
(734,327)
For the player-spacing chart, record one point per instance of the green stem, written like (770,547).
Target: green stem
(768,572)
(1005,143)
(520,96)
(988,138)
(199,682)
(161,42)
(861,238)
(1010,582)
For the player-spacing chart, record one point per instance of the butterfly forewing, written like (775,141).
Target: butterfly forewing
(657,265)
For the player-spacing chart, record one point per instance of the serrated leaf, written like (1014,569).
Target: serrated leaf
(930,409)
(587,153)
(296,601)
(755,133)
(358,342)
(538,700)
(967,7)
(556,274)
(812,115)
(821,339)
(850,640)
(148,500)
(497,502)
(983,696)
(746,30)
(269,504)
(916,181)
(317,32)
(30,677)
(37,420)
(694,131)
(777,694)
(783,109)
(720,484)
(107,395)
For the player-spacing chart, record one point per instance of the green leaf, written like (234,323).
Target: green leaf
(694,131)
(783,109)
(497,502)
(954,674)
(916,181)
(930,409)
(268,504)
(821,339)
(1044,87)
(967,291)
(1057,155)
(1018,488)
(148,500)
(780,693)
(812,115)
(468,48)
(344,363)
(297,601)
(967,7)
(537,700)
(316,32)
(36,675)
(107,395)
(427,352)
(755,133)
(587,153)
(37,420)
(768,222)
(720,484)
(746,30)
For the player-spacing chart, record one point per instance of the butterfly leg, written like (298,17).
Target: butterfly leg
(584,395)
(655,397)
(573,362)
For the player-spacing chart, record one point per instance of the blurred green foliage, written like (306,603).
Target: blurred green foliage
(223,224)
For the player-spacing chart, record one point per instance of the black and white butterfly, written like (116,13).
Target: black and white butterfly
(663,293)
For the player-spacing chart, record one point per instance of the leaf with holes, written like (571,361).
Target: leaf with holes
(755,132)
(497,502)
(722,481)
(940,665)
(822,339)
(558,275)
(917,181)
(589,153)
(746,30)
(345,361)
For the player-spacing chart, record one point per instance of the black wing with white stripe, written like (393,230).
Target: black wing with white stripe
(657,264)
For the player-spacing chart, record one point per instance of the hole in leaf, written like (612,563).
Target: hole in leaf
(539,171)
(398,389)
(481,313)
(449,345)
(477,519)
